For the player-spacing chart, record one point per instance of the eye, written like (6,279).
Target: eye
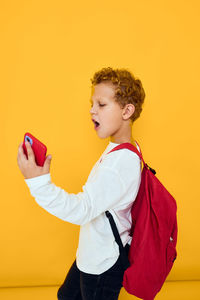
(99,105)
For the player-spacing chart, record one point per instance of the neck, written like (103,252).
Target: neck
(124,134)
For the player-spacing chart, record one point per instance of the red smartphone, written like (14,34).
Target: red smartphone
(38,147)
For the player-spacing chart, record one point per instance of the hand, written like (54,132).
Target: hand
(28,167)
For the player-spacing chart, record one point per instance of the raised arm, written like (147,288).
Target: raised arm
(103,191)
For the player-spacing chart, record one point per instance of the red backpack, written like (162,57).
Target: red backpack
(154,235)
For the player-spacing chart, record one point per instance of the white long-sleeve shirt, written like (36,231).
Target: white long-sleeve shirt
(113,184)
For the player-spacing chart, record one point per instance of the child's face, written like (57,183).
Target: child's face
(106,111)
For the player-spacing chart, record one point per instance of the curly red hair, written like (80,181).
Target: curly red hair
(128,89)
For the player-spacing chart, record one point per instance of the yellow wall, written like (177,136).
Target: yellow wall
(49,51)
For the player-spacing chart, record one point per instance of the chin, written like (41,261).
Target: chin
(103,136)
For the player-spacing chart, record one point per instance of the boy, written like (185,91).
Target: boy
(113,183)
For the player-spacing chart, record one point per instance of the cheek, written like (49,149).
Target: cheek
(114,115)
(110,112)
(111,122)
(110,115)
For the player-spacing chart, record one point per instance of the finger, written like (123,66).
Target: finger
(47,163)
(19,147)
(21,154)
(30,152)
(20,157)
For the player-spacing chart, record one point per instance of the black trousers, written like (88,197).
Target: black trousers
(83,286)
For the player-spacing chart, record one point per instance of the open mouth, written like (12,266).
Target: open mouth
(96,124)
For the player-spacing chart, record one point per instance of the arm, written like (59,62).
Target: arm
(101,192)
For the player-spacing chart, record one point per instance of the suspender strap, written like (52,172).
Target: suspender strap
(123,255)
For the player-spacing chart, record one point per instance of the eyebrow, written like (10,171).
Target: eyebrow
(99,99)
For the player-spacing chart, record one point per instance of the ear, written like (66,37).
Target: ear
(128,111)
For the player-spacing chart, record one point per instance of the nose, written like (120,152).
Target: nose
(92,110)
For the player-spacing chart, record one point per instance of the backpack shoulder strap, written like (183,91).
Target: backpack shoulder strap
(131,148)
(123,256)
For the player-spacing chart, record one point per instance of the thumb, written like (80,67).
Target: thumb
(47,163)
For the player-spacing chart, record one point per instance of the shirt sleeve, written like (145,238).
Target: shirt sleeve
(102,192)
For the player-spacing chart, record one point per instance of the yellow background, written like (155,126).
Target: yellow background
(49,51)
